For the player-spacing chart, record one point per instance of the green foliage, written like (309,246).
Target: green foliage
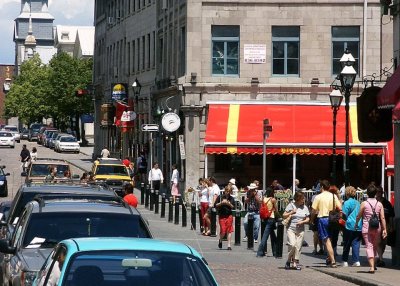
(44,91)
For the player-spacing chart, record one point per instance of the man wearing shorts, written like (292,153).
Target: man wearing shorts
(224,204)
(322,205)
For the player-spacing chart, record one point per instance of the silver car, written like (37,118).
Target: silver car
(15,132)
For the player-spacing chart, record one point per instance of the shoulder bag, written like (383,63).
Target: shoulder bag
(334,216)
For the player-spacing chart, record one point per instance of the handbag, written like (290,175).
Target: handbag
(265,213)
(286,221)
(334,216)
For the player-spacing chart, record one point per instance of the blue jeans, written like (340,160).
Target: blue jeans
(351,239)
(256,225)
(269,230)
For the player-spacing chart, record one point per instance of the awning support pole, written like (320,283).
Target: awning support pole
(383,171)
(206,166)
(294,175)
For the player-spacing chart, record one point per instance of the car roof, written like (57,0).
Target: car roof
(109,161)
(65,188)
(121,243)
(68,205)
(50,161)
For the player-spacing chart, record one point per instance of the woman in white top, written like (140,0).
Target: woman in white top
(34,154)
(174,182)
(213,193)
(203,193)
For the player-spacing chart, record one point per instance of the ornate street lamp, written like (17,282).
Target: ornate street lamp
(347,78)
(336,98)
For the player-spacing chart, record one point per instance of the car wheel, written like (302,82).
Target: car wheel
(19,141)
(12,146)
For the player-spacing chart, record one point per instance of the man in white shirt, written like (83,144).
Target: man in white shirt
(105,153)
(156,177)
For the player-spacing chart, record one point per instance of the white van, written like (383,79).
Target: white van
(15,132)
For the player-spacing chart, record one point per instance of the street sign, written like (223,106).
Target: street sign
(150,127)
(182,147)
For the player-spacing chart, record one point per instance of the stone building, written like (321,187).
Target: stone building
(217,63)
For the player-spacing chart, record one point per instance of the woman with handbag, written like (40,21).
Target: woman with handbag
(270,201)
(351,238)
(298,215)
(372,231)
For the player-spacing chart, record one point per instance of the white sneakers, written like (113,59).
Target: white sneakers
(255,241)
(355,264)
(245,238)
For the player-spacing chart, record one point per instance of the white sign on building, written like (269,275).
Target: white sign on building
(255,54)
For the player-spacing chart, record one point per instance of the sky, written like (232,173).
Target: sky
(65,12)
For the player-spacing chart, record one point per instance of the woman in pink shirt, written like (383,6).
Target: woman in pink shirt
(372,236)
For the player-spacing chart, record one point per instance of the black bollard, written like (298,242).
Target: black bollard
(279,238)
(156,201)
(238,223)
(250,231)
(151,199)
(184,215)
(171,209)
(213,222)
(193,216)
(147,197)
(163,205)
(142,192)
(177,211)
(263,225)
(201,221)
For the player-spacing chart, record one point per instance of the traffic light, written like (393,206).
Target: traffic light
(374,125)
(81,92)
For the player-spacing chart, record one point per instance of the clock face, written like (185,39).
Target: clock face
(171,122)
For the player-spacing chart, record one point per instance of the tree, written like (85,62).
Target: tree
(27,98)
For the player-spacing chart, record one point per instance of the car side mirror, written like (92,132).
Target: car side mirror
(7,174)
(75,176)
(6,248)
(3,167)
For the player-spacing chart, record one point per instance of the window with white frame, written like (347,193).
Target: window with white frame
(345,37)
(225,50)
(286,50)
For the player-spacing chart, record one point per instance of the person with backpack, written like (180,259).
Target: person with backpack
(373,226)
(299,216)
(141,164)
(268,202)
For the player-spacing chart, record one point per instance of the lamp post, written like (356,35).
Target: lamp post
(347,77)
(136,87)
(336,98)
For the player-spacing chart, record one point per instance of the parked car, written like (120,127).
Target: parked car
(57,139)
(24,135)
(3,182)
(113,172)
(43,223)
(47,135)
(52,139)
(126,261)
(39,169)
(33,131)
(7,139)
(67,143)
(43,132)
(15,132)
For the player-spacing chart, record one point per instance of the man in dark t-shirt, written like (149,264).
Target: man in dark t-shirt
(25,156)
(224,204)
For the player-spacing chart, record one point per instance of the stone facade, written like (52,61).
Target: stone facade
(183,73)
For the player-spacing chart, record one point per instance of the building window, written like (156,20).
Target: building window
(229,163)
(225,50)
(285,50)
(345,37)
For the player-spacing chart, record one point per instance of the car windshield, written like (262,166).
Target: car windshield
(43,170)
(111,170)
(54,227)
(127,267)
(5,134)
(14,129)
(54,136)
(68,139)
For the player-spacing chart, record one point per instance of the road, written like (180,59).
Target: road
(237,267)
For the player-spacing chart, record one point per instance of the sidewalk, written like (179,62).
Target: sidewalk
(241,267)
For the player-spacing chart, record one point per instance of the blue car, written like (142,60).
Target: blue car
(124,261)
(3,182)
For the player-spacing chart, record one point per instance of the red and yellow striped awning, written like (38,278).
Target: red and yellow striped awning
(305,129)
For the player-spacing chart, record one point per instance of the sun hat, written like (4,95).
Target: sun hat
(232,181)
(252,186)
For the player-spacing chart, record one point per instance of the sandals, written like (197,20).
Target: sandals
(208,233)
(333,265)
(229,248)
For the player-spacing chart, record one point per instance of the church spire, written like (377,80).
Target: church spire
(30,39)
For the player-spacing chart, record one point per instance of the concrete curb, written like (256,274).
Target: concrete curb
(349,278)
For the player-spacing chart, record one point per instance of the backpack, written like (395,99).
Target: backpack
(374,219)
(265,213)
(143,162)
